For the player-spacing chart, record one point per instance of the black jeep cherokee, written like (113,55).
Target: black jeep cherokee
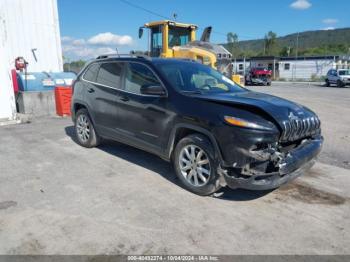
(215,132)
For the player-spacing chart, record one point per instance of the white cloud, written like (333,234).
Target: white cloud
(328,28)
(110,39)
(78,42)
(330,21)
(103,43)
(301,4)
(66,38)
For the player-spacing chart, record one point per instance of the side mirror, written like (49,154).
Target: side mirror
(140,32)
(157,90)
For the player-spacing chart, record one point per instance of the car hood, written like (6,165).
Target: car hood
(278,108)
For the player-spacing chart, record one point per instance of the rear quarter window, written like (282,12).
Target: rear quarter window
(91,73)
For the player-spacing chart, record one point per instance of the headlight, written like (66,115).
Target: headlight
(235,121)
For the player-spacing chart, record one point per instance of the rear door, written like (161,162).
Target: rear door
(143,118)
(102,93)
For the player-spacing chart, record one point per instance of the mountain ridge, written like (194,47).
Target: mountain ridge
(312,42)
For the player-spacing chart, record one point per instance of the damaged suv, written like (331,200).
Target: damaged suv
(215,132)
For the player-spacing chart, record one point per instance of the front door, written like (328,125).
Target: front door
(332,76)
(143,118)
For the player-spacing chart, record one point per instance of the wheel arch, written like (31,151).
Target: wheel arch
(182,130)
(77,105)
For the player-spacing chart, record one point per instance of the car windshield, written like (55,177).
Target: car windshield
(344,72)
(197,78)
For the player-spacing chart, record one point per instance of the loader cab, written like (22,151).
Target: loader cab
(164,35)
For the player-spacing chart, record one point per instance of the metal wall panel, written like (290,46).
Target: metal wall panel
(305,69)
(27,25)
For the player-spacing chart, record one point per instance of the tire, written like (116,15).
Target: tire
(84,130)
(197,143)
(340,83)
(327,83)
(269,83)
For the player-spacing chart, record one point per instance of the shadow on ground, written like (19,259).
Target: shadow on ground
(164,168)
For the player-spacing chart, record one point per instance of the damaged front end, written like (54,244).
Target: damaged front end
(272,165)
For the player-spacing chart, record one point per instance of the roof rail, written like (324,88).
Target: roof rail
(123,55)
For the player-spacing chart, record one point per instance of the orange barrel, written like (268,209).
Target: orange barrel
(63,97)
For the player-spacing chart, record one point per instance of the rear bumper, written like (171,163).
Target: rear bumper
(294,165)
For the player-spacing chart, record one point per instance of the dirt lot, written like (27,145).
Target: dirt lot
(59,198)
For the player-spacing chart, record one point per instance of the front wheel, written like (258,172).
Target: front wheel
(196,166)
(340,83)
(327,83)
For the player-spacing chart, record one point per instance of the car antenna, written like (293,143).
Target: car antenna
(116,49)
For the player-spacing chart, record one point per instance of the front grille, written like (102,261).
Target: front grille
(299,128)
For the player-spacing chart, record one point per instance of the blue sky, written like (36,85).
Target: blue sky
(92,27)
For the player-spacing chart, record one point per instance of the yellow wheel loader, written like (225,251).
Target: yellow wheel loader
(171,39)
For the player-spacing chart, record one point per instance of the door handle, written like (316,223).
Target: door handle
(124,98)
(90,90)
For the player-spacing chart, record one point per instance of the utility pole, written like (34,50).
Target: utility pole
(264,47)
(296,56)
(297,47)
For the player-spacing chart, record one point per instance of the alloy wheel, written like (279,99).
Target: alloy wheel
(83,128)
(194,165)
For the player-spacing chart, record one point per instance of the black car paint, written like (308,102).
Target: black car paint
(153,123)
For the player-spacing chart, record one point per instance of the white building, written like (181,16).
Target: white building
(304,68)
(29,29)
(291,68)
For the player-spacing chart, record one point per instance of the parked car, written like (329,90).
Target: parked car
(340,77)
(258,76)
(215,132)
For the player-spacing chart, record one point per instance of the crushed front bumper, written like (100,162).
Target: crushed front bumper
(293,165)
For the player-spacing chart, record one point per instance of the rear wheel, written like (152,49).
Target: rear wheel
(84,130)
(196,166)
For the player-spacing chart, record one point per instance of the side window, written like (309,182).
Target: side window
(286,66)
(138,75)
(109,74)
(240,67)
(91,73)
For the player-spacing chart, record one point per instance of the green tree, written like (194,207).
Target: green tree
(232,37)
(270,43)
(74,66)
(286,51)
(232,43)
